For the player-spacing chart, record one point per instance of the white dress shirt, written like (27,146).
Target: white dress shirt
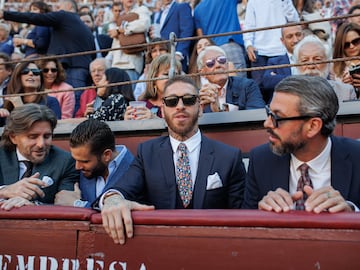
(193,145)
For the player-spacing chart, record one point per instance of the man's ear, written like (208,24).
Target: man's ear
(13,138)
(314,126)
(107,155)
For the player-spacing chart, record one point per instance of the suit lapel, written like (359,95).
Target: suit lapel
(165,156)
(168,16)
(10,175)
(280,172)
(206,159)
(341,168)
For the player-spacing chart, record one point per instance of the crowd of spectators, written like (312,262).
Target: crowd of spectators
(36,29)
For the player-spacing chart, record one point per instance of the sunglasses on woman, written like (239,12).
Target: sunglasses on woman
(53,70)
(220,59)
(188,100)
(35,71)
(355,42)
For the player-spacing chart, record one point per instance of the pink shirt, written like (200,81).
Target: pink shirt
(66,99)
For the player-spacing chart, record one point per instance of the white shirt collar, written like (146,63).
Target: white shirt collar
(20,156)
(190,143)
(318,163)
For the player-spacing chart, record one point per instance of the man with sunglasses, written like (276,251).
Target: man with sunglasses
(303,167)
(184,170)
(224,92)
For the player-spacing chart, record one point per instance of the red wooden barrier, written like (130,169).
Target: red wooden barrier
(50,237)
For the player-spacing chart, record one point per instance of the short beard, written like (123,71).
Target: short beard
(286,148)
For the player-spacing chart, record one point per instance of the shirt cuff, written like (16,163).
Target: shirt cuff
(101,201)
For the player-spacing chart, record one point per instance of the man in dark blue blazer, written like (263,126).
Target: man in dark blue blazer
(177,18)
(290,36)
(301,118)
(214,175)
(224,92)
(101,163)
(27,139)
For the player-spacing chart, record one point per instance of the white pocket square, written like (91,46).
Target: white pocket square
(213,181)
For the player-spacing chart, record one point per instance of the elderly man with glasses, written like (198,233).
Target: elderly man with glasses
(184,170)
(303,166)
(224,92)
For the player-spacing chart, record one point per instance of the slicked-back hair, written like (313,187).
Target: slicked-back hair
(22,118)
(183,79)
(96,134)
(317,97)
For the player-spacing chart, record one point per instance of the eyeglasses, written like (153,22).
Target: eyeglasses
(354,42)
(188,100)
(35,71)
(53,70)
(220,59)
(276,119)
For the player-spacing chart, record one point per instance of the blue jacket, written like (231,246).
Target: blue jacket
(244,93)
(88,186)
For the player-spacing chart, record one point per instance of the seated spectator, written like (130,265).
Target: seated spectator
(152,52)
(290,36)
(354,10)
(28,159)
(347,44)
(6,44)
(311,49)
(224,92)
(35,41)
(303,166)
(54,80)
(101,41)
(199,46)
(88,100)
(114,98)
(26,79)
(153,94)
(99,160)
(182,170)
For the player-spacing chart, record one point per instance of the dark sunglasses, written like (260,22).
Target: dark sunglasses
(276,119)
(53,70)
(220,59)
(188,100)
(354,42)
(35,71)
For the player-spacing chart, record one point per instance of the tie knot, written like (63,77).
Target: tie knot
(182,148)
(28,164)
(304,169)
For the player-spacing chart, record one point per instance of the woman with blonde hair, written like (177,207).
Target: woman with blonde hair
(153,94)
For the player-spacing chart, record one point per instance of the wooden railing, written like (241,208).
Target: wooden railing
(52,237)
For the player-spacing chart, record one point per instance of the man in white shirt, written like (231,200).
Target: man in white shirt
(262,45)
(300,120)
(184,170)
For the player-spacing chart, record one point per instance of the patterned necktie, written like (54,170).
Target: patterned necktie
(29,167)
(303,180)
(183,175)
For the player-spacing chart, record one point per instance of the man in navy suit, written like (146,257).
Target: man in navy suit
(99,160)
(27,139)
(301,118)
(224,92)
(215,178)
(290,36)
(177,18)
